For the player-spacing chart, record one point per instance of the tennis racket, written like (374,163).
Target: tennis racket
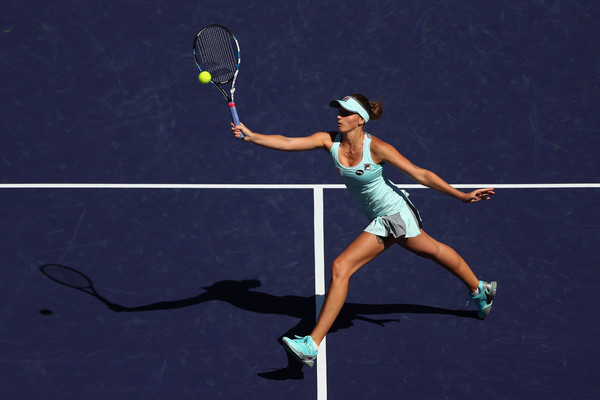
(217,51)
(77,280)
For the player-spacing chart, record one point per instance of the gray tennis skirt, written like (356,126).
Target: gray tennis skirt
(406,223)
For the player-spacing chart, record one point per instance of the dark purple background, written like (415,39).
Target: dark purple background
(479,92)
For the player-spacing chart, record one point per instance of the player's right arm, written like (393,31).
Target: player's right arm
(319,140)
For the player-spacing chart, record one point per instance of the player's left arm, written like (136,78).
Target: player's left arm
(384,152)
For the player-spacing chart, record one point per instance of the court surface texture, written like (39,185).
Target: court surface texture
(117,163)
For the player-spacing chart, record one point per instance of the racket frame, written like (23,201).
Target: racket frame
(229,97)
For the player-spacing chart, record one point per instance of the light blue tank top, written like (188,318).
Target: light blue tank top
(376,195)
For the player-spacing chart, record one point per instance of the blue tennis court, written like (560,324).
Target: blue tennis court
(117,163)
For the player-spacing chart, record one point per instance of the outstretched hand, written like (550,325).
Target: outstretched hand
(476,195)
(240,129)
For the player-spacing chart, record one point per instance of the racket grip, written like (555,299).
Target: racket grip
(234,116)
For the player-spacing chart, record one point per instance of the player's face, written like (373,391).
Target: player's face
(348,120)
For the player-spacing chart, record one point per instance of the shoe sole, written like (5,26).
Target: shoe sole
(490,297)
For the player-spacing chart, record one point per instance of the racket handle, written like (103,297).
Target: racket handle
(234,116)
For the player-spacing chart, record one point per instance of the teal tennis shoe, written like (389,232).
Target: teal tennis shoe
(484,299)
(302,348)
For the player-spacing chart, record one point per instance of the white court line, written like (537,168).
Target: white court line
(278,186)
(319,239)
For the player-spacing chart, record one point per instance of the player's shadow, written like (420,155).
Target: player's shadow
(241,294)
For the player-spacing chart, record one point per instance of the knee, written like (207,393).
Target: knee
(340,270)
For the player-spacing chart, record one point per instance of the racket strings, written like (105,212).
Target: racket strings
(217,52)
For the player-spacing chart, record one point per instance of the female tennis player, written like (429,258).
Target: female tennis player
(359,159)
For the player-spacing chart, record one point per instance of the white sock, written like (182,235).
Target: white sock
(475,293)
(315,346)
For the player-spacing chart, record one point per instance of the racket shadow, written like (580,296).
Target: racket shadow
(241,294)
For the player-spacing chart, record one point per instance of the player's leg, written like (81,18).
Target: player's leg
(426,246)
(360,252)
(365,248)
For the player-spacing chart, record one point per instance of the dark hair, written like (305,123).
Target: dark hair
(374,108)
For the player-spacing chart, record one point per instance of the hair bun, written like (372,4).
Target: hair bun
(376,109)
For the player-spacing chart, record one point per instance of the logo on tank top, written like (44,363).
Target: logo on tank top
(367,167)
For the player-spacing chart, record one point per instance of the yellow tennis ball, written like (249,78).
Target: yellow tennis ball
(204,77)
